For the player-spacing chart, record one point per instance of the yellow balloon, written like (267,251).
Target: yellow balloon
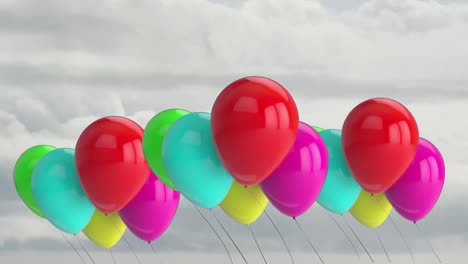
(371,210)
(244,205)
(105,230)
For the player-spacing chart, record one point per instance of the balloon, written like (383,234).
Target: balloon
(380,137)
(58,193)
(340,191)
(153,138)
(254,124)
(110,162)
(371,210)
(318,129)
(192,163)
(152,210)
(416,192)
(295,185)
(105,230)
(244,205)
(23,172)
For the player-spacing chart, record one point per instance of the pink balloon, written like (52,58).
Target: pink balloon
(416,192)
(152,210)
(295,185)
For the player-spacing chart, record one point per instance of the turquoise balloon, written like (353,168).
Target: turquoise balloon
(58,193)
(190,158)
(340,191)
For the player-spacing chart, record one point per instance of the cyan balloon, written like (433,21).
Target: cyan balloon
(340,191)
(58,193)
(192,163)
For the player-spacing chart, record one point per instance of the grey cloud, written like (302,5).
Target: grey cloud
(160,60)
(7,189)
(65,64)
(189,232)
(33,21)
(149,85)
(42,244)
(61,25)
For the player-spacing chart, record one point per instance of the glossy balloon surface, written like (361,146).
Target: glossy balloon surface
(23,172)
(152,210)
(110,162)
(192,162)
(371,210)
(105,230)
(295,185)
(416,192)
(254,124)
(153,137)
(58,192)
(244,205)
(380,137)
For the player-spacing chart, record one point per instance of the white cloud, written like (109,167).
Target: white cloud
(65,64)
(404,43)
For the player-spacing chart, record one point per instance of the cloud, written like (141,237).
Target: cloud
(400,45)
(65,64)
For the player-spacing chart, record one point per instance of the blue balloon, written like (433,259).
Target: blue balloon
(192,162)
(340,191)
(58,193)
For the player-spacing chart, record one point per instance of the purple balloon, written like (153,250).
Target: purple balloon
(295,185)
(150,213)
(416,192)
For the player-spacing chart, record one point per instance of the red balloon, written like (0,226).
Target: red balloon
(254,122)
(380,138)
(110,162)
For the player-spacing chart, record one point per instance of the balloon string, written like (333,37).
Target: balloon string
(281,235)
(430,244)
(85,250)
(214,230)
(382,244)
(227,233)
(308,240)
(346,235)
(152,248)
(126,242)
(131,248)
(74,249)
(403,237)
(377,232)
(398,229)
(156,253)
(258,245)
(360,242)
(274,225)
(112,256)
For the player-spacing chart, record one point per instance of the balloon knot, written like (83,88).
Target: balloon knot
(414,222)
(372,194)
(294,218)
(149,242)
(245,186)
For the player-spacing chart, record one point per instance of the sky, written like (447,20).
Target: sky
(64,64)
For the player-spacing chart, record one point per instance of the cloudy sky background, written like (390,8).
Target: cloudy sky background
(64,64)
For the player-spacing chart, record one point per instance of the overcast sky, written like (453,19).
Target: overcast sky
(64,64)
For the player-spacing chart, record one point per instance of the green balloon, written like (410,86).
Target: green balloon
(153,137)
(318,129)
(23,172)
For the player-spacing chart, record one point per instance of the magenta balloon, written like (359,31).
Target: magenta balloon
(416,192)
(152,210)
(295,185)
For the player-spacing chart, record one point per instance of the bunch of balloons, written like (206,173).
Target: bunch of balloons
(249,151)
